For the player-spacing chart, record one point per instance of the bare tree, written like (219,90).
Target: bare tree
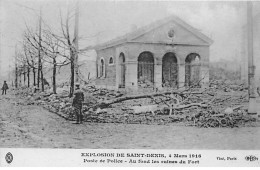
(70,42)
(56,52)
(32,49)
(30,54)
(16,68)
(57,49)
(20,67)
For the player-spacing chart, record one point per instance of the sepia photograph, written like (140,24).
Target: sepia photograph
(131,75)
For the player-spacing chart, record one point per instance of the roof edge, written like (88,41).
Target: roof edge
(140,31)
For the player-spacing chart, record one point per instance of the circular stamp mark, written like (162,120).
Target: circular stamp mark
(9,157)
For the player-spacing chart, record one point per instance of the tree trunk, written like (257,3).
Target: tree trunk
(72,73)
(76,42)
(54,76)
(105,104)
(34,73)
(28,76)
(39,53)
(24,75)
(34,77)
(42,80)
(16,76)
(39,73)
(20,77)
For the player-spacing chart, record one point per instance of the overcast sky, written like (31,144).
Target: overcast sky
(221,21)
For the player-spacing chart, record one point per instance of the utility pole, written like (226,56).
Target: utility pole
(76,41)
(251,68)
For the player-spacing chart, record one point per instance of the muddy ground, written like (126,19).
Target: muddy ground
(30,126)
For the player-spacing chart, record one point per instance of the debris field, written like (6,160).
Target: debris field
(219,105)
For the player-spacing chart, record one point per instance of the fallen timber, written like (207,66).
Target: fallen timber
(206,108)
(104,104)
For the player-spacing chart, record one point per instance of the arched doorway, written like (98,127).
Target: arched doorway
(192,70)
(145,69)
(121,70)
(169,70)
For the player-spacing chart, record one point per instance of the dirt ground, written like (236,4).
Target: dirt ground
(33,127)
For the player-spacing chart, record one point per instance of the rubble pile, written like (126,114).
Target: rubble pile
(145,84)
(207,119)
(107,116)
(24,92)
(211,107)
(211,114)
(227,86)
(102,94)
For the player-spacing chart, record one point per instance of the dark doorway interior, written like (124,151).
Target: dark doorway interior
(145,69)
(169,70)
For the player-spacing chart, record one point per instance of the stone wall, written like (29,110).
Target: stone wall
(158,51)
(109,78)
(132,52)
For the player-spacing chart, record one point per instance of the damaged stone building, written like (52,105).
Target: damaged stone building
(167,53)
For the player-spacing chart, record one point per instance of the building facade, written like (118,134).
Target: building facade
(166,53)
